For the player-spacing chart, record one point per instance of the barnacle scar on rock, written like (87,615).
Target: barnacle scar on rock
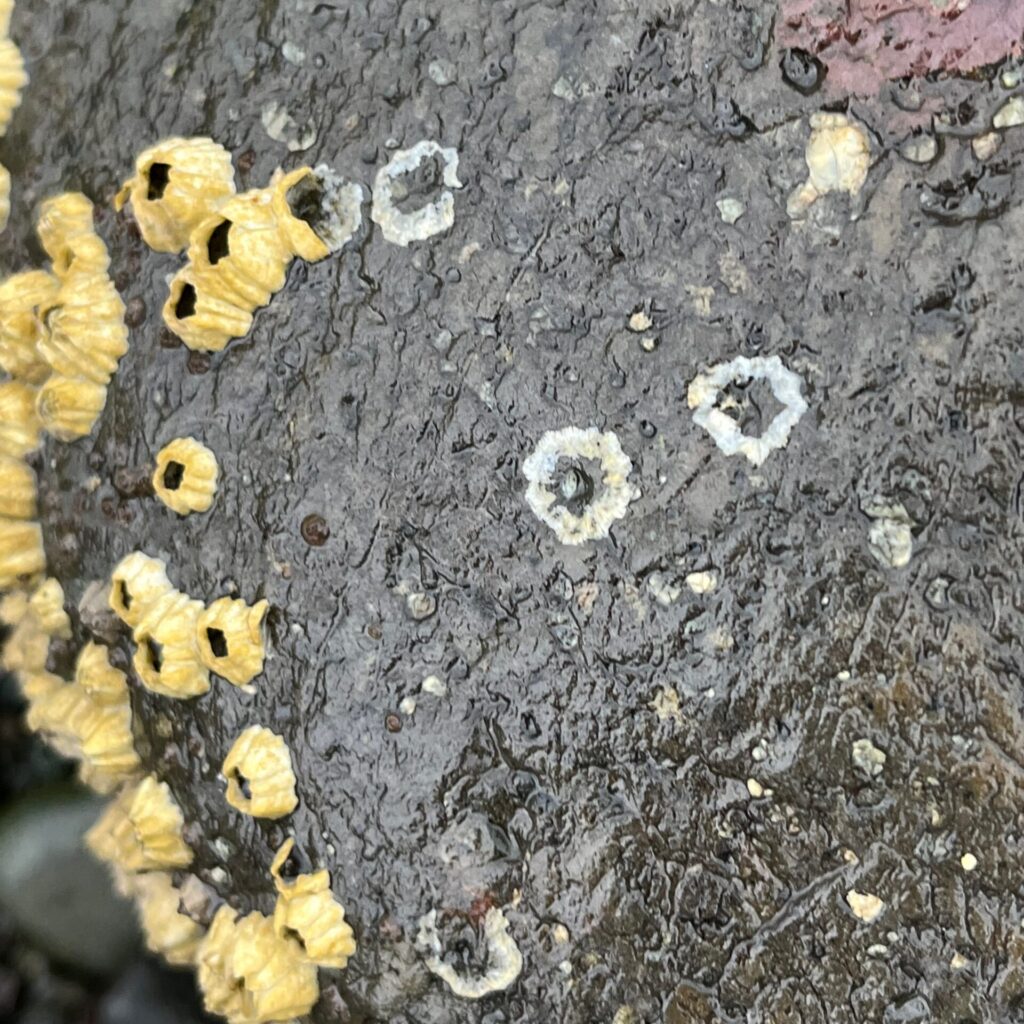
(260,780)
(250,974)
(388,191)
(176,184)
(22,296)
(141,830)
(578,512)
(167,932)
(230,635)
(504,961)
(706,388)
(185,479)
(838,157)
(306,907)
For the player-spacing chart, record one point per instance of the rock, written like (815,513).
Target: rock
(144,993)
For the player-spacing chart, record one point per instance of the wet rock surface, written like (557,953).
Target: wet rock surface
(585,760)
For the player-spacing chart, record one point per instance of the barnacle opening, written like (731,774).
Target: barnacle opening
(157,177)
(218,245)
(174,473)
(185,304)
(217,641)
(231,639)
(259,775)
(185,478)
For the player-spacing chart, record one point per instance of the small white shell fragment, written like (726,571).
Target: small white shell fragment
(968,862)
(1010,114)
(604,508)
(865,905)
(920,149)
(755,789)
(504,961)
(730,210)
(958,961)
(838,156)
(705,389)
(986,146)
(434,685)
(403,228)
(407,706)
(663,591)
(341,206)
(701,582)
(867,757)
(889,537)
(640,322)
(282,127)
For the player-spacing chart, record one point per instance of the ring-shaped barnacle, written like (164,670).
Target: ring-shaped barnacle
(21,551)
(199,313)
(65,229)
(141,830)
(705,389)
(17,488)
(166,931)
(136,584)
(176,184)
(5,196)
(230,635)
(68,407)
(319,211)
(19,421)
(12,80)
(307,907)
(22,296)
(185,478)
(437,216)
(579,511)
(260,780)
(166,657)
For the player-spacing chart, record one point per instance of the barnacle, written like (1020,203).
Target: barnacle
(167,652)
(838,157)
(198,311)
(105,684)
(136,584)
(307,907)
(168,932)
(176,184)
(47,605)
(250,974)
(68,407)
(17,489)
(185,478)
(258,769)
(576,513)
(21,551)
(19,421)
(22,296)
(26,648)
(141,830)
(5,196)
(65,229)
(230,635)
(403,228)
(329,210)
(12,80)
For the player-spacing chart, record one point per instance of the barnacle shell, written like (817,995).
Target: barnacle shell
(47,605)
(306,906)
(39,684)
(141,830)
(5,196)
(19,421)
(171,934)
(259,773)
(65,229)
(185,478)
(17,489)
(201,311)
(6,8)
(22,296)
(136,584)
(230,635)
(176,184)
(27,647)
(12,80)
(838,157)
(323,202)
(68,407)
(167,653)
(21,551)
(105,684)
(298,236)
(221,987)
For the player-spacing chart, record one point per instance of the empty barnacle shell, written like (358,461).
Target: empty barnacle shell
(17,488)
(298,234)
(199,311)
(68,407)
(12,80)
(65,229)
(220,986)
(167,931)
(5,196)
(259,774)
(47,605)
(322,199)
(307,907)
(185,478)
(141,830)
(167,654)
(19,421)
(21,551)
(22,296)
(230,635)
(105,684)
(136,584)
(177,182)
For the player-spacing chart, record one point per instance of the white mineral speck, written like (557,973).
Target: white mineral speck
(434,685)
(920,149)
(986,146)
(865,905)
(292,53)
(702,582)
(755,789)
(968,862)
(441,71)
(1010,114)
(958,961)
(640,322)
(407,706)
(666,705)
(730,210)
(867,757)
(560,934)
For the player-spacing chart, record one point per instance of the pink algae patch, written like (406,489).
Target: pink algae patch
(864,43)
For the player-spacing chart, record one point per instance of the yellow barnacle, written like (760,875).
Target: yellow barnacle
(221,987)
(12,81)
(167,931)
(66,232)
(185,478)
(68,407)
(22,296)
(259,773)
(5,196)
(103,683)
(176,184)
(19,421)
(230,635)
(141,830)
(21,551)
(167,653)
(301,240)
(201,313)
(47,604)
(26,648)
(307,907)
(39,684)
(136,584)
(17,489)
(13,606)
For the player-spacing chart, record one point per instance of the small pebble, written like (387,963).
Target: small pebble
(986,146)
(408,705)
(755,789)
(865,905)
(730,210)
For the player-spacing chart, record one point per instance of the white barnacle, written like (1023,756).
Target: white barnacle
(596,512)
(504,961)
(704,392)
(341,207)
(403,228)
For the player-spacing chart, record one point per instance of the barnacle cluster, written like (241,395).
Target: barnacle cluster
(185,478)
(12,80)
